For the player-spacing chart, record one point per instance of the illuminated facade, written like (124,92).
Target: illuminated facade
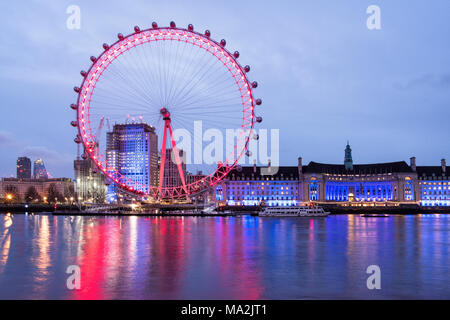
(132,151)
(89,182)
(20,187)
(434,185)
(23,168)
(253,185)
(381,182)
(391,183)
(39,171)
(171,175)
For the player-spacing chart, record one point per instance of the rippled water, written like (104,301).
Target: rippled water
(224,258)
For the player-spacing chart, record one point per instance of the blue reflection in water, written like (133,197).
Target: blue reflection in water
(224,258)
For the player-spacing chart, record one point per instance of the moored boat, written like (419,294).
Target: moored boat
(293,211)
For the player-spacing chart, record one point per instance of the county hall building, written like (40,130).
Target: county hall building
(389,184)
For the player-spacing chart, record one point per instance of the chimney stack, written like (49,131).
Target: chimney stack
(443,165)
(412,161)
(300,165)
(254,166)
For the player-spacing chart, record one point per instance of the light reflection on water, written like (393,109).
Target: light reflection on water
(224,258)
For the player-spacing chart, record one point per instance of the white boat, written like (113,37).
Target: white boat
(293,211)
(211,209)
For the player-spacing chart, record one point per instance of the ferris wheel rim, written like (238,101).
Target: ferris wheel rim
(124,44)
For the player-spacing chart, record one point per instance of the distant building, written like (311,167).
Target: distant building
(192,178)
(20,188)
(89,182)
(250,186)
(391,183)
(132,151)
(434,184)
(39,171)
(171,175)
(23,168)
(348,160)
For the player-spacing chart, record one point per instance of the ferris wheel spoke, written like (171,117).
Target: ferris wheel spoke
(144,67)
(137,79)
(207,93)
(136,82)
(122,93)
(205,79)
(184,71)
(126,85)
(105,104)
(196,80)
(197,70)
(175,72)
(205,101)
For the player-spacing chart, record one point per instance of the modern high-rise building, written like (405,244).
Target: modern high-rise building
(171,175)
(132,151)
(89,182)
(39,171)
(23,168)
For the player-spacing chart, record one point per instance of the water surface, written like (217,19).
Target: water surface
(224,257)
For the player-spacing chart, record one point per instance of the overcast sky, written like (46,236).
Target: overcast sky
(323,76)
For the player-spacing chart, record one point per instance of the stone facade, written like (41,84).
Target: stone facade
(64,186)
(391,183)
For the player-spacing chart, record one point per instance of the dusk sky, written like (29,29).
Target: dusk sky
(324,77)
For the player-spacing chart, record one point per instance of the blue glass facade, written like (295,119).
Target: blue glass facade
(132,156)
(360,191)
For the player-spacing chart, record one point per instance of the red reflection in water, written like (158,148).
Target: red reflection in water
(171,260)
(93,259)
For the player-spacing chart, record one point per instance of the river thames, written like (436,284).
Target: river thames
(241,257)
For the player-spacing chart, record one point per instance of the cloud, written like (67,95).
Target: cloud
(45,153)
(436,81)
(7,139)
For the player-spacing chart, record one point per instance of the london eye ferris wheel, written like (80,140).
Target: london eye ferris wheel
(163,81)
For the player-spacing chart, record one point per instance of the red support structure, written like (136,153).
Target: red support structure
(163,159)
(167,126)
(177,158)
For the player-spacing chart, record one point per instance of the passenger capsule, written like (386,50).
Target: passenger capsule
(105,46)
(223,43)
(84,156)
(256,136)
(247,68)
(120,36)
(254,84)
(248,153)
(190,27)
(93,59)
(76,89)
(259,119)
(236,54)
(83,73)
(137,29)
(154,25)
(74,123)
(74,106)
(258,102)
(77,139)
(172,24)
(208,33)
